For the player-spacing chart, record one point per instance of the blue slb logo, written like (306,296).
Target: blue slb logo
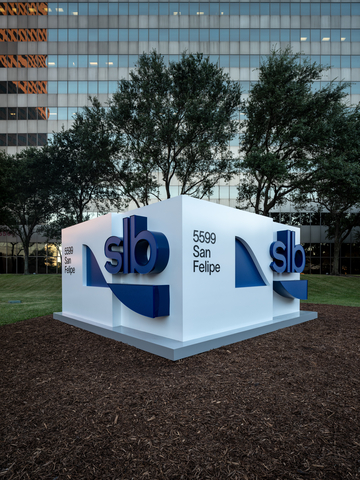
(139,251)
(288,258)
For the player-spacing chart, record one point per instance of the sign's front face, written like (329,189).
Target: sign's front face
(182,269)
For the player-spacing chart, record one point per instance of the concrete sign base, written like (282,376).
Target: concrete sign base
(175,350)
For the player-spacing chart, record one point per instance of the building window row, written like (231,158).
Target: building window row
(23,35)
(304,218)
(26,87)
(241,61)
(23,61)
(204,8)
(178,35)
(23,139)
(175,8)
(115,61)
(43,257)
(24,113)
(201,35)
(93,87)
(24,8)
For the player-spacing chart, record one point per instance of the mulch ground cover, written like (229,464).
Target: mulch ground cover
(285,405)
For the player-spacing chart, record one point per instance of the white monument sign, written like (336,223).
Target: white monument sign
(182,276)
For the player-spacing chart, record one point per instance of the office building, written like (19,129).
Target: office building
(53,55)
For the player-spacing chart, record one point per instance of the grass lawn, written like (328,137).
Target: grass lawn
(329,290)
(39,295)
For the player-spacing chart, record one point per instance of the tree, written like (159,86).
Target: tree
(284,130)
(26,195)
(82,158)
(176,120)
(336,182)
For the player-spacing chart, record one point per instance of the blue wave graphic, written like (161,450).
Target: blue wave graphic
(292,288)
(148,300)
(248,272)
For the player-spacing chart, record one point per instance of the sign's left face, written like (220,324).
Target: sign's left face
(139,251)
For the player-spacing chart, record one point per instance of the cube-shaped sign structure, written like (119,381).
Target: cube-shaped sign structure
(182,276)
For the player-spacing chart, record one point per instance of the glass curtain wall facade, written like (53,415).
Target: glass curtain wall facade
(54,54)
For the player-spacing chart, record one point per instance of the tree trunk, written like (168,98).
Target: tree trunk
(337,246)
(26,260)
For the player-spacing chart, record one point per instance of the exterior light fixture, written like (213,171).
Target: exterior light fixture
(326,39)
(303,39)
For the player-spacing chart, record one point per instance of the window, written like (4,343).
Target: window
(62,87)
(72,87)
(214,34)
(244,35)
(143,9)
(133,9)
(103,34)
(153,35)
(123,34)
(244,9)
(72,61)
(133,35)
(224,35)
(204,34)
(163,9)
(224,9)
(234,35)
(83,9)
(93,8)
(62,61)
(153,9)
(184,35)
(93,35)
(73,34)
(113,34)
(254,9)
(113,9)
(113,61)
(163,35)
(274,8)
(123,9)
(93,61)
(103,9)
(264,9)
(123,61)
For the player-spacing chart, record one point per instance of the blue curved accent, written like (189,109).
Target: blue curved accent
(248,272)
(148,300)
(94,277)
(292,288)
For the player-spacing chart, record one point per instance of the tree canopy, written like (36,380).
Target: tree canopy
(335,187)
(27,200)
(285,129)
(177,120)
(81,157)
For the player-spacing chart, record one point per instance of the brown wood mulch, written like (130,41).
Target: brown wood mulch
(285,405)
